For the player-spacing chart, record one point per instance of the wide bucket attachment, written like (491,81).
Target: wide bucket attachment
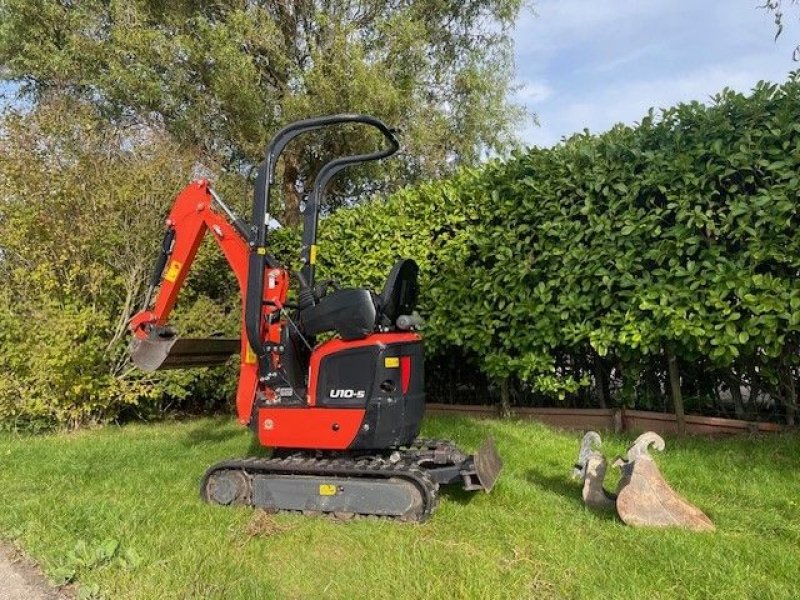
(645,499)
(160,352)
(488,464)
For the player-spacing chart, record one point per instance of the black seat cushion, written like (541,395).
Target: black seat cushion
(355,312)
(349,312)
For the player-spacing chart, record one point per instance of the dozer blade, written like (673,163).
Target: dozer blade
(181,353)
(488,464)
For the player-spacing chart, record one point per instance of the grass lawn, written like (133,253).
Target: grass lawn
(119,508)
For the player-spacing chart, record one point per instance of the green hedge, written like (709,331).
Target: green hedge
(678,235)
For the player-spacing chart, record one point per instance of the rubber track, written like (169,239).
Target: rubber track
(376,466)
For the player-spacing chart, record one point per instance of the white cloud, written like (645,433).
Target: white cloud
(628,102)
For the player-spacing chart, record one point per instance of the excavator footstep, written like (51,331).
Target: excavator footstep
(181,353)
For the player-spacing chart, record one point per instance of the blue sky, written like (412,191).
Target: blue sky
(593,63)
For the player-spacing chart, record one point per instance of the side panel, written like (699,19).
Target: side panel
(337,345)
(347,378)
(383,375)
(395,410)
(308,428)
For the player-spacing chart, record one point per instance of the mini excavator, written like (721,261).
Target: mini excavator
(342,415)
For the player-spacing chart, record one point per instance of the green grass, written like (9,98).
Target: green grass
(530,538)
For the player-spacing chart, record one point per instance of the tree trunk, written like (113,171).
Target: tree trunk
(736,395)
(505,398)
(600,380)
(788,389)
(675,387)
(291,197)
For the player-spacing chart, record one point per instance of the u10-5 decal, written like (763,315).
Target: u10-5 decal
(345,393)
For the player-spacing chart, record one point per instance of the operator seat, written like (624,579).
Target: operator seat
(354,313)
(400,293)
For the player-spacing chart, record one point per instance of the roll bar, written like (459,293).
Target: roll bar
(325,175)
(259,258)
(266,172)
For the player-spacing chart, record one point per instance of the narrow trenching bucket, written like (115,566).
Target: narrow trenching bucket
(159,352)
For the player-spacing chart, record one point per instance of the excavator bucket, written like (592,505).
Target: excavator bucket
(170,352)
(645,499)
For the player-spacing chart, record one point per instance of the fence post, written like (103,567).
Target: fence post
(675,388)
(618,420)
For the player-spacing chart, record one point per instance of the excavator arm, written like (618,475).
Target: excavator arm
(155,344)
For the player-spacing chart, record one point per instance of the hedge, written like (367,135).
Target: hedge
(674,237)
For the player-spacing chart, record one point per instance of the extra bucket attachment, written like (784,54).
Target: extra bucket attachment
(164,350)
(643,498)
(591,469)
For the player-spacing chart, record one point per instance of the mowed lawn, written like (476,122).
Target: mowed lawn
(119,509)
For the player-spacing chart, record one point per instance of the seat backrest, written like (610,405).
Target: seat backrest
(401,292)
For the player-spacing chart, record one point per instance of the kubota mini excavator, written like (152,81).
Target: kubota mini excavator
(341,416)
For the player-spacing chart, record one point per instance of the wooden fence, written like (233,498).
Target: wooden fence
(618,419)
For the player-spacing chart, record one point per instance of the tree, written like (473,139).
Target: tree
(778,8)
(224,75)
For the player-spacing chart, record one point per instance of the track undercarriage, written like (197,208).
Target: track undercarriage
(400,484)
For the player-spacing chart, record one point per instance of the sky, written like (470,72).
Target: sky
(593,63)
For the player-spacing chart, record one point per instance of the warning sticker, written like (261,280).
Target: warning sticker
(173,271)
(327,489)
(249,356)
(392,362)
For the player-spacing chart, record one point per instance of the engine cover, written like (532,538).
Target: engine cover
(376,383)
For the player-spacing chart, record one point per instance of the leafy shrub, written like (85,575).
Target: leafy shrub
(558,269)
(677,235)
(81,208)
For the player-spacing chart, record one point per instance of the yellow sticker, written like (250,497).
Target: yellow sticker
(312,255)
(391,362)
(261,251)
(327,489)
(249,356)
(173,271)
